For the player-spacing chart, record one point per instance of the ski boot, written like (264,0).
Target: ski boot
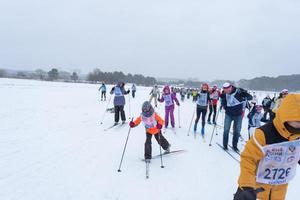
(208,122)
(202,131)
(195,128)
(167,150)
(236,149)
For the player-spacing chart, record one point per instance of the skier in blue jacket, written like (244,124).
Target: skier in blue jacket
(103,91)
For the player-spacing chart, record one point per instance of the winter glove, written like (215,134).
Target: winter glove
(131,124)
(158,126)
(247,193)
(178,104)
(128,91)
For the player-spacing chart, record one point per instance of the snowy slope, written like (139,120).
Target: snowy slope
(52,147)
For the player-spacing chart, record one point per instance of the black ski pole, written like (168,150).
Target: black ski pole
(105,109)
(191,123)
(161,160)
(215,126)
(119,170)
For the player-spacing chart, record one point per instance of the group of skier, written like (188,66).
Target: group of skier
(281,131)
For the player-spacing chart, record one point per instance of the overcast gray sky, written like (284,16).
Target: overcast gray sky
(206,39)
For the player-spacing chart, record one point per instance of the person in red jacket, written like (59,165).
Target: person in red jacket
(214,96)
(153,124)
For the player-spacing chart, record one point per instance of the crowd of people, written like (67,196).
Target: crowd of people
(273,126)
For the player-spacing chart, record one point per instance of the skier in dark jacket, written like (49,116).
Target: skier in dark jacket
(119,101)
(233,101)
(266,103)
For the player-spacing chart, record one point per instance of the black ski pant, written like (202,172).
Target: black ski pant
(133,93)
(201,111)
(119,110)
(148,144)
(212,108)
(103,94)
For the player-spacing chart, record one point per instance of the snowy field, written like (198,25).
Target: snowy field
(52,147)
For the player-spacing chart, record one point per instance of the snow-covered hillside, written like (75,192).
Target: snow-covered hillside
(53,147)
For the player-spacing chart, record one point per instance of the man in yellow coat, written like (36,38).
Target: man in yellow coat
(271,156)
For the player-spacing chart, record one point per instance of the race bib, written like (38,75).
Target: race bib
(118,92)
(231,100)
(214,95)
(168,99)
(149,122)
(202,99)
(279,164)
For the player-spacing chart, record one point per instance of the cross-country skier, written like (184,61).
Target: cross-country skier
(153,124)
(102,88)
(233,101)
(266,103)
(154,94)
(169,97)
(271,156)
(254,118)
(203,99)
(119,101)
(214,98)
(182,93)
(133,90)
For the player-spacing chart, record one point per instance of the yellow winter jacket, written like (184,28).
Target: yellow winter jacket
(289,110)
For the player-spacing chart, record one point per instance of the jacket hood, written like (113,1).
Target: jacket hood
(167,89)
(289,110)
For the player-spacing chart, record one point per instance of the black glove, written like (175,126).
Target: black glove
(128,91)
(245,193)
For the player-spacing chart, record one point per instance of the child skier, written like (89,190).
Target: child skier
(214,96)
(119,101)
(103,91)
(153,124)
(169,99)
(202,103)
(254,118)
(270,157)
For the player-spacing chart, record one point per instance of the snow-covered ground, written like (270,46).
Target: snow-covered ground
(52,147)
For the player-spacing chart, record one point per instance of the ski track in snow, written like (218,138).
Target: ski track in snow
(52,147)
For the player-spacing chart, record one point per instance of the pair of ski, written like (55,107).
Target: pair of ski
(147,162)
(231,152)
(114,125)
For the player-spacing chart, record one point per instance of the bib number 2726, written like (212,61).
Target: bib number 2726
(277,174)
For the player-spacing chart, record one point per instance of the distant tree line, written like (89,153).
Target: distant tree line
(112,77)
(290,82)
(52,75)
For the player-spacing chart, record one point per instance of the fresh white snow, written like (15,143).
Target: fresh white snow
(52,147)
